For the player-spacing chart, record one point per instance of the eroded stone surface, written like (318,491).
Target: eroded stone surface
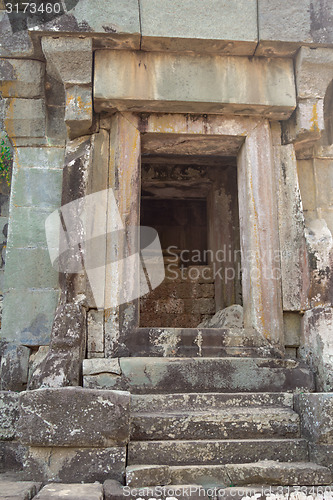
(21,78)
(12,455)
(106,365)
(216,452)
(316,344)
(80,419)
(231,317)
(163,375)
(319,241)
(20,490)
(140,475)
(9,413)
(316,412)
(184,91)
(71,492)
(70,465)
(14,367)
(221,424)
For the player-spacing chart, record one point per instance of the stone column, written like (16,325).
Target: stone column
(124,180)
(261,278)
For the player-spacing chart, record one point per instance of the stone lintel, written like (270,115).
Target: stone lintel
(187,83)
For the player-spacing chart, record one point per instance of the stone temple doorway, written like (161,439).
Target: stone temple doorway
(244,145)
(137,140)
(193,205)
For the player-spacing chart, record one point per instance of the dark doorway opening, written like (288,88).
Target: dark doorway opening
(194,209)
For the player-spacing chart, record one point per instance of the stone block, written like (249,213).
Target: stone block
(28,316)
(71,492)
(29,268)
(269,472)
(50,158)
(36,361)
(313,72)
(116,20)
(324,182)
(317,344)
(62,365)
(309,25)
(14,366)
(19,490)
(231,451)
(21,78)
(153,375)
(305,169)
(228,424)
(79,421)
(305,127)
(292,328)
(291,231)
(194,81)
(9,413)
(147,475)
(12,455)
(322,454)
(316,412)
(79,110)
(319,241)
(95,331)
(24,117)
(228,27)
(56,129)
(162,403)
(36,187)
(105,365)
(17,43)
(72,465)
(28,227)
(69,59)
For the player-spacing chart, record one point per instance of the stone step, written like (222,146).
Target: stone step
(159,375)
(266,472)
(115,491)
(204,401)
(71,492)
(216,451)
(197,342)
(18,490)
(231,423)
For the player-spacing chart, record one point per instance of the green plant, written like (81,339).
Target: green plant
(5,160)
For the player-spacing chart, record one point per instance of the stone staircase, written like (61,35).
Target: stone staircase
(182,436)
